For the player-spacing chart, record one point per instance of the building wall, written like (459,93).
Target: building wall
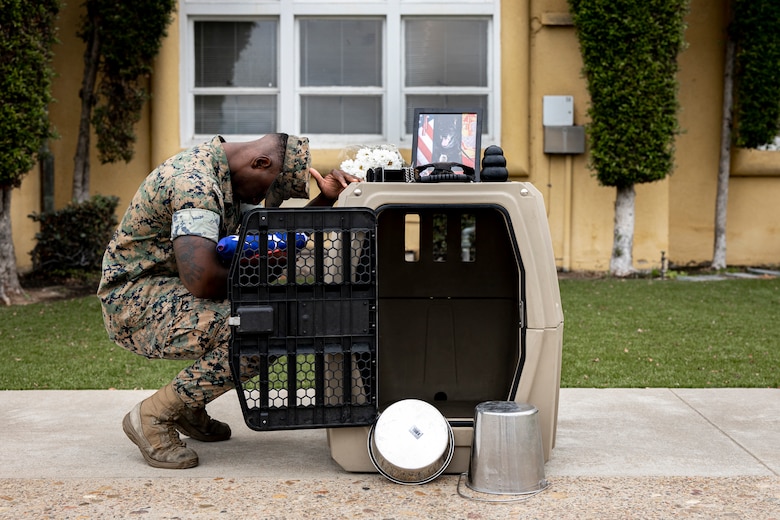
(539,57)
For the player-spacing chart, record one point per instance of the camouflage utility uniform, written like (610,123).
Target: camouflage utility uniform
(146,307)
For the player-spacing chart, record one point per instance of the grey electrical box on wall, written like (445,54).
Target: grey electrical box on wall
(558,111)
(564,139)
(561,136)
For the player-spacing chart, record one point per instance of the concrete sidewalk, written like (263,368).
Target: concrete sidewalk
(620,453)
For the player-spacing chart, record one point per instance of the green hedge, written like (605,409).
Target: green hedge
(130,36)
(756,31)
(75,237)
(27,34)
(629,50)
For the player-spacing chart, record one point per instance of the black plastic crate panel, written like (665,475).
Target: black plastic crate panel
(303,346)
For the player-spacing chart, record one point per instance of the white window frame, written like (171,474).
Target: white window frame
(324,140)
(289,89)
(191,91)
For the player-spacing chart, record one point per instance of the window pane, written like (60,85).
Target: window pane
(412,237)
(235,114)
(455,102)
(235,54)
(342,53)
(439,245)
(468,238)
(446,52)
(341,114)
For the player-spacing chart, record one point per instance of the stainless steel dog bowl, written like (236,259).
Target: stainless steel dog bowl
(411,442)
(506,451)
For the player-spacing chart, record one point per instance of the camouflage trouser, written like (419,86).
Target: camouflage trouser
(159,318)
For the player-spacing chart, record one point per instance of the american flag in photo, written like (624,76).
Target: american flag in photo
(425,140)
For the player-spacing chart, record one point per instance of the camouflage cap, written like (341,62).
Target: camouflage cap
(293,180)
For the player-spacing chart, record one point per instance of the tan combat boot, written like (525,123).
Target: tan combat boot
(196,424)
(150,425)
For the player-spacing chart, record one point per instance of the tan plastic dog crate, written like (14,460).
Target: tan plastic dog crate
(468,306)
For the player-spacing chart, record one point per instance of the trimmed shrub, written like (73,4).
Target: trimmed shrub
(629,51)
(75,237)
(756,32)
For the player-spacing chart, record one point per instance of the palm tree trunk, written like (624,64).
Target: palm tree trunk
(9,275)
(622,261)
(87,95)
(724,166)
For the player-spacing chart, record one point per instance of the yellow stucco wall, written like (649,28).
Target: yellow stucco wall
(539,56)
(694,181)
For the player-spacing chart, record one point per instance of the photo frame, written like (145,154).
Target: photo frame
(447,135)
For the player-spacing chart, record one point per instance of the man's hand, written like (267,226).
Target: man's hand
(199,268)
(330,186)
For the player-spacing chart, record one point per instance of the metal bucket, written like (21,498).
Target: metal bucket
(411,442)
(506,451)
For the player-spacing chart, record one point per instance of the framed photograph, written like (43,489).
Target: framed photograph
(447,135)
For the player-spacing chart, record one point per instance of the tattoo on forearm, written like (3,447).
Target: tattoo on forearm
(190,271)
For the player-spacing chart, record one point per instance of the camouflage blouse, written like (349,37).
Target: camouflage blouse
(193,186)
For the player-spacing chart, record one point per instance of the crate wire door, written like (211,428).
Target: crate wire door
(303,318)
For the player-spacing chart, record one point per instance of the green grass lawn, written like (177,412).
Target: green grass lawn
(664,333)
(617,333)
(63,345)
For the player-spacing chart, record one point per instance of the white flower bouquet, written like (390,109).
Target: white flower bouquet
(384,156)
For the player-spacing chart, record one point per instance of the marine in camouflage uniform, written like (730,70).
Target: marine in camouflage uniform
(148,310)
